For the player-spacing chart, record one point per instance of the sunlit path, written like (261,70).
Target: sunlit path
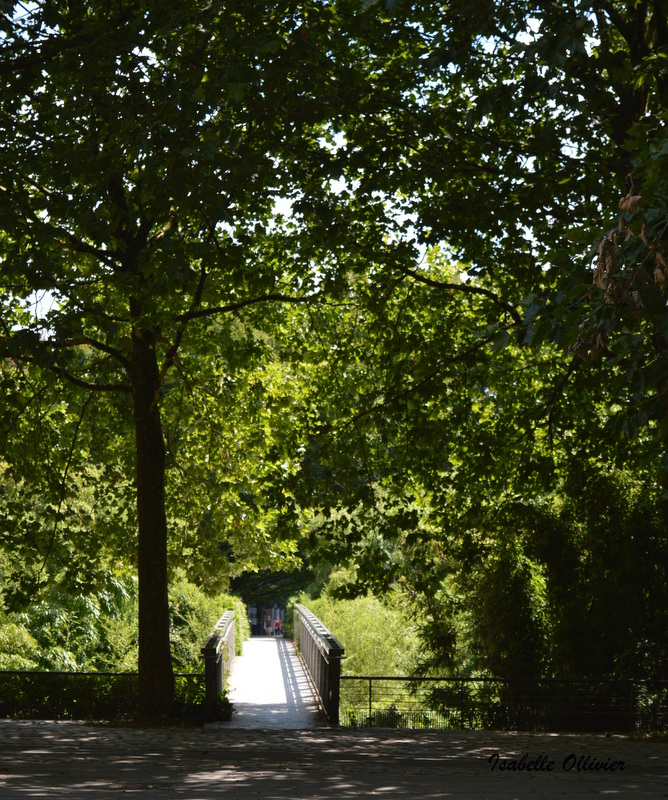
(269,687)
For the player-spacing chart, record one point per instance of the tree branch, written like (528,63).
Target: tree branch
(62,236)
(96,312)
(64,482)
(265,298)
(622,25)
(93,387)
(171,353)
(78,246)
(467,288)
(87,340)
(54,46)
(405,393)
(557,391)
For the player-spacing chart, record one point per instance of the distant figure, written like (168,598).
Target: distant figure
(277,627)
(267,626)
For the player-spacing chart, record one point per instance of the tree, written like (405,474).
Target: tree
(547,125)
(449,463)
(532,123)
(541,172)
(139,200)
(142,200)
(555,117)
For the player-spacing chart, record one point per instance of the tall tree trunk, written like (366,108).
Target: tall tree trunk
(156,677)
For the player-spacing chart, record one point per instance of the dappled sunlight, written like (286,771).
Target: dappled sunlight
(49,759)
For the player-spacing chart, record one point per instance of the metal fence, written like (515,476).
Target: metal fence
(502,704)
(83,695)
(322,654)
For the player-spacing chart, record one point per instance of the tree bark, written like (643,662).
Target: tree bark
(156,676)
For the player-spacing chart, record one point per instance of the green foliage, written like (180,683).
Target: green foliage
(570,587)
(18,649)
(229,508)
(51,695)
(431,371)
(479,476)
(140,200)
(194,615)
(62,631)
(377,634)
(225,708)
(610,577)
(98,632)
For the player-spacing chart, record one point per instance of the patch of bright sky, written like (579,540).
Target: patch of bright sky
(40,304)
(532,33)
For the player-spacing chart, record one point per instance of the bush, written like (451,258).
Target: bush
(98,632)
(193,617)
(377,636)
(18,649)
(57,695)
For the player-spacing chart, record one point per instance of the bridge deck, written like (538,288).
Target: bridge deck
(269,688)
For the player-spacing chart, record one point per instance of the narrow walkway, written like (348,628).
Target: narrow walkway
(269,688)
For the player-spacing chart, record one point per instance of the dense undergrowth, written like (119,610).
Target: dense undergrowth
(97,631)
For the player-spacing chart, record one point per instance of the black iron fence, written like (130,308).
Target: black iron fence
(84,695)
(502,704)
(322,654)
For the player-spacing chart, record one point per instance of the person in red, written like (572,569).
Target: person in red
(277,627)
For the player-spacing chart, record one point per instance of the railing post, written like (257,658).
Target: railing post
(210,653)
(370,700)
(334,681)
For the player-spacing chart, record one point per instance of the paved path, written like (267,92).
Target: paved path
(66,759)
(269,687)
(278,748)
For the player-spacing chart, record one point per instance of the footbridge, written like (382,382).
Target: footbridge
(278,683)
(275,682)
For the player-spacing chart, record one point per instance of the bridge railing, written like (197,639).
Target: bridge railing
(218,653)
(322,654)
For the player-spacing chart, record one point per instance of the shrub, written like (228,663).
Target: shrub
(376,634)
(193,616)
